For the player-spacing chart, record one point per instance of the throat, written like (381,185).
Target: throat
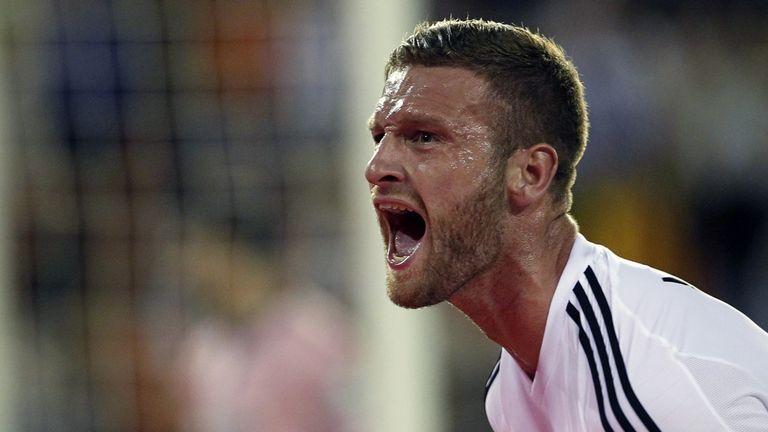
(508,317)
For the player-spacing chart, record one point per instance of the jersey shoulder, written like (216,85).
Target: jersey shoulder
(692,321)
(688,356)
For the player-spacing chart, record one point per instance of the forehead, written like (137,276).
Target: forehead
(446,92)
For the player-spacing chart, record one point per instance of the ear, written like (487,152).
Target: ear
(529,174)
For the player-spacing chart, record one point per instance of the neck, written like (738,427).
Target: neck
(510,302)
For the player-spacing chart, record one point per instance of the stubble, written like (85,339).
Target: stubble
(463,245)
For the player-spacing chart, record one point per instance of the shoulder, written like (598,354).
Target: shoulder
(631,296)
(677,313)
(669,351)
(687,355)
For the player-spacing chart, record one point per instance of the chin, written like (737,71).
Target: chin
(409,295)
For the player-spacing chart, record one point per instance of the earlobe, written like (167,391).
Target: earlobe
(529,173)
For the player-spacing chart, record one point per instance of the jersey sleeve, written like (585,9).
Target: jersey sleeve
(695,359)
(733,393)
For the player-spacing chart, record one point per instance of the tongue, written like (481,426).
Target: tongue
(405,245)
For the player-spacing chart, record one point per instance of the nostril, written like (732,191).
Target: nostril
(382,172)
(385,165)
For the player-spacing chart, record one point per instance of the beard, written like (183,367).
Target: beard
(463,244)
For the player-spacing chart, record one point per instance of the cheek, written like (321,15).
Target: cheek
(447,189)
(472,166)
(450,175)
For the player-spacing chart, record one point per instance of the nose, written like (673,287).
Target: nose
(385,165)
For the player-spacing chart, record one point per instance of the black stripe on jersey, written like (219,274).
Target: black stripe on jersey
(492,378)
(585,345)
(674,280)
(617,357)
(597,335)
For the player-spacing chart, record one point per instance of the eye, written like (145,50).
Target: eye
(424,138)
(377,137)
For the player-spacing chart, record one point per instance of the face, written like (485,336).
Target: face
(438,196)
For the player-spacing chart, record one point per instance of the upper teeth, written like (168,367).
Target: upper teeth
(393,207)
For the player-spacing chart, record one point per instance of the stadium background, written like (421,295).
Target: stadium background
(187,242)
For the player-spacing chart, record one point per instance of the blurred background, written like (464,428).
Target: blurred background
(186,241)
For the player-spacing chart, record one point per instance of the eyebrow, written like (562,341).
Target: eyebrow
(411,119)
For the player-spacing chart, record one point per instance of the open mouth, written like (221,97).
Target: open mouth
(406,230)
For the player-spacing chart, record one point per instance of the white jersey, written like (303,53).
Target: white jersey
(630,348)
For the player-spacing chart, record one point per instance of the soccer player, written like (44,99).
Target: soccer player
(477,135)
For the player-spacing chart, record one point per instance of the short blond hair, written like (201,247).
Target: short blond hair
(536,86)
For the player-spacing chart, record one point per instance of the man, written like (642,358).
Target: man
(477,135)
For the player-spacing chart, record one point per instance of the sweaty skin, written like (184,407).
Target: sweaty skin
(493,243)
(432,156)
